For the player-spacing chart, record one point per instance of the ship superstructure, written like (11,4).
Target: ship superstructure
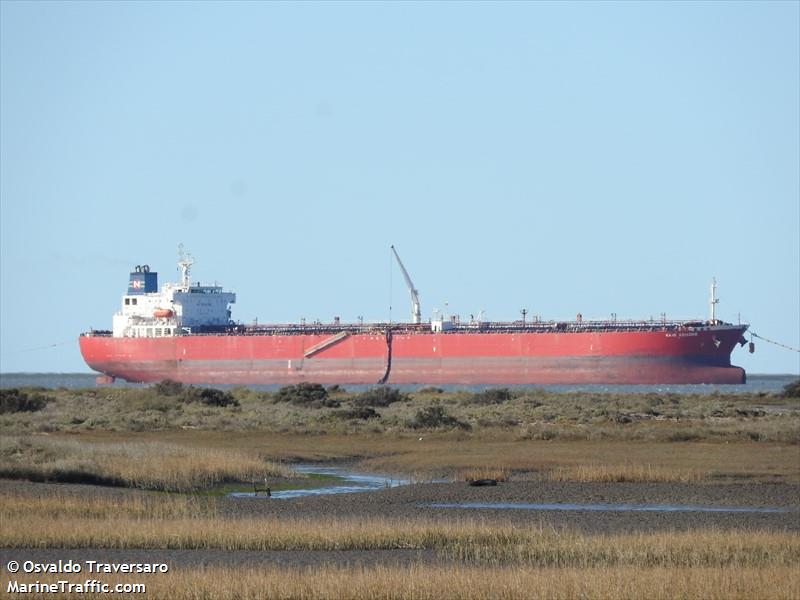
(176,309)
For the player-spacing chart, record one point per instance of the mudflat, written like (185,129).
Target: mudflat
(414,503)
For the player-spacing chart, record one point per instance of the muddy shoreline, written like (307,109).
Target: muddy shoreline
(412,502)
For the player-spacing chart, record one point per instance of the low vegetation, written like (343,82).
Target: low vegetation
(146,520)
(483,473)
(468,582)
(310,395)
(380,397)
(792,390)
(152,465)
(625,473)
(528,414)
(435,417)
(174,437)
(14,401)
(207,396)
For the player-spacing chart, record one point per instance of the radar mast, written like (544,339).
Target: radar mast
(713,301)
(185,262)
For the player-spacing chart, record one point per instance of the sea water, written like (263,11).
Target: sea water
(755,384)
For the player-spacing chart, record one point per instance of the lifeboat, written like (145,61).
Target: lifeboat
(162,313)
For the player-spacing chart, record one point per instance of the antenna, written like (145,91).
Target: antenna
(713,301)
(185,262)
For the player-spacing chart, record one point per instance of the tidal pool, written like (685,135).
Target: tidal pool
(341,481)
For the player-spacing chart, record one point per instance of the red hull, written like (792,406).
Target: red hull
(669,355)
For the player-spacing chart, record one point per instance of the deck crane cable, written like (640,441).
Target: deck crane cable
(753,334)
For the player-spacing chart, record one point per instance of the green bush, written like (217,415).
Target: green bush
(431,389)
(435,417)
(491,396)
(361,412)
(792,390)
(312,395)
(13,400)
(380,397)
(209,397)
(167,387)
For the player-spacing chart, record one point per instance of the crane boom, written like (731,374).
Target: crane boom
(416,312)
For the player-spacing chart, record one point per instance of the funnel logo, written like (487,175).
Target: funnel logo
(136,283)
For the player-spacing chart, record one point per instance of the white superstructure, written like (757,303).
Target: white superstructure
(176,309)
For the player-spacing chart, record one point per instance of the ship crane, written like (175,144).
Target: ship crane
(416,312)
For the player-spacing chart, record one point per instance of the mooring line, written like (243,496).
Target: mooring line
(774,342)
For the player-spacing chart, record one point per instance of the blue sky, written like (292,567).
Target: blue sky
(592,157)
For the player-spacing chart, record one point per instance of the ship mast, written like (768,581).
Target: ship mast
(713,301)
(416,312)
(185,262)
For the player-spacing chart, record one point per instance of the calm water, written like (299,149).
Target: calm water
(348,482)
(755,383)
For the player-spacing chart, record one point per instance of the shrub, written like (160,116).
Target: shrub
(209,397)
(361,412)
(435,416)
(792,390)
(380,397)
(167,387)
(14,400)
(306,394)
(431,389)
(491,396)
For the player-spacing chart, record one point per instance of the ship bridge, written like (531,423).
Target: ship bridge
(177,308)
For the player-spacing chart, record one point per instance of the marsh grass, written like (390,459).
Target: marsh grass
(624,473)
(142,520)
(77,506)
(147,465)
(197,460)
(137,437)
(486,472)
(434,582)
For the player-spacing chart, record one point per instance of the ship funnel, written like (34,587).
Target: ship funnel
(142,281)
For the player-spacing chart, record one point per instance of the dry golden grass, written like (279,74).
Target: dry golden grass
(160,521)
(426,582)
(191,460)
(467,543)
(477,473)
(444,453)
(74,505)
(151,464)
(594,472)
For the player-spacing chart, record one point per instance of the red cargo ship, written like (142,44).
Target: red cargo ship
(184,333)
